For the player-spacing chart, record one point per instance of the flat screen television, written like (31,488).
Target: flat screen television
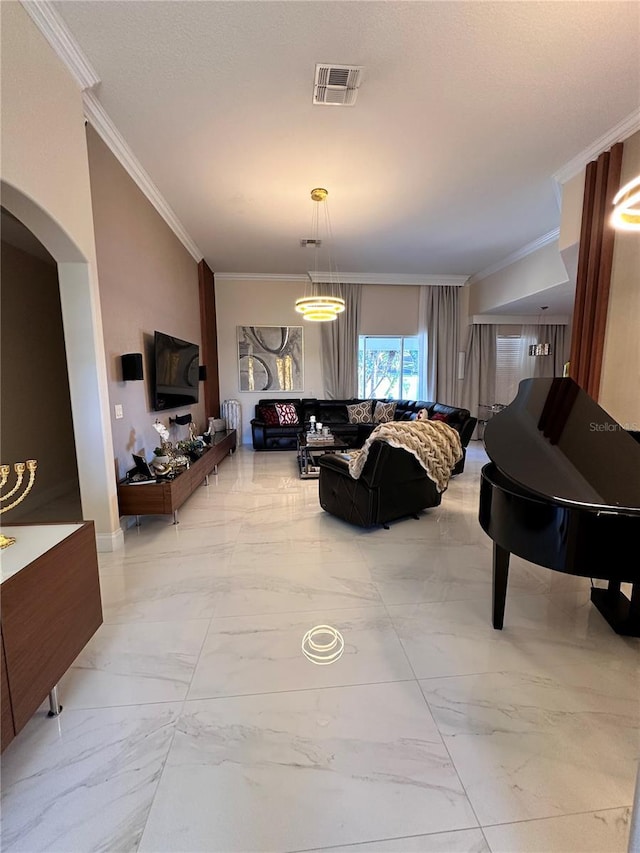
(176,372)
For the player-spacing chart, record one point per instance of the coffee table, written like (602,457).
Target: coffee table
(309,469)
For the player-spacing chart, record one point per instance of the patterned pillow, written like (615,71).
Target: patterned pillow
(287,414)
(383,412)
(440,416)
(360,413)
(268,415)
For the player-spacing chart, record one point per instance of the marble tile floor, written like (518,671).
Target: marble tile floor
(192,721)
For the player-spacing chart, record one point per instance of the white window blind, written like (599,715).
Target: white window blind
(508,367)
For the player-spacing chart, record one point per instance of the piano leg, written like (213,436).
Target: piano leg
(500,578)
(621,613)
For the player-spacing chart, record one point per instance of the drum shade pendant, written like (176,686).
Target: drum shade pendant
(322,301)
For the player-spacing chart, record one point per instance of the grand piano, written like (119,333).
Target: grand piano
(563,490)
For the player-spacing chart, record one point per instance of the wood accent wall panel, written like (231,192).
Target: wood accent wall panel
(595,259)
(50,610)
(209,334)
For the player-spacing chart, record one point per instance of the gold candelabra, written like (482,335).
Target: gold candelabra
(30,465)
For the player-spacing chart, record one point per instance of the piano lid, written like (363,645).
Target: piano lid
(556,441)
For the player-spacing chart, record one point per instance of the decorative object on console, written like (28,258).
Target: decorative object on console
(287,414)
(164,453)
(383,412)
(131,366)
(270,358)
(321,301)
(19,467)
(192,448)
(217,425)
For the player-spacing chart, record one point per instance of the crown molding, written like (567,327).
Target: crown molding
(111,136)
(56,32)
(320,277)
(388,278)
(61,39)
(259,276)
(518,255)
(621,131)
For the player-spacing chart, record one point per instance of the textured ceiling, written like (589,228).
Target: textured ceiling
(443,166)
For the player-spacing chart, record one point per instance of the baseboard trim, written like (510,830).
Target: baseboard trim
(108,542)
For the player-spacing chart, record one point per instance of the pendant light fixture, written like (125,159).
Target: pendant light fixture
(322,301)
(626,207)
(540,349)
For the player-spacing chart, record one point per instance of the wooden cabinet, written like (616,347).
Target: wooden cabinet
(50,607)
(166,497)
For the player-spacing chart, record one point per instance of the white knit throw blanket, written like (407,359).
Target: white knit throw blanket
(434,444)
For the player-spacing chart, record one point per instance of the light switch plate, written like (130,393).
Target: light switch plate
(119,412)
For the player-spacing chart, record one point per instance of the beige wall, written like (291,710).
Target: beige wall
(45,184)
(35,409)
(620,382)
(261,303)
(148,281)
(389,310)
(532,274)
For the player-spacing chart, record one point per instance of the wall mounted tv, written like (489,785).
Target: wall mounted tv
(176,372)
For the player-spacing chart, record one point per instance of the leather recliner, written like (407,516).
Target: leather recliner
(392,485)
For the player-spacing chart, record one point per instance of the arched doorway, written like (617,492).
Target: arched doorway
(86,369)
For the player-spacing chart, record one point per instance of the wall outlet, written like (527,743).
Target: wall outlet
(119,411)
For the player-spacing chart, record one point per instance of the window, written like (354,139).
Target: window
(388,367)
(508,367)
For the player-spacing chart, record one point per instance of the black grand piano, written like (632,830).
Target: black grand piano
(563,491)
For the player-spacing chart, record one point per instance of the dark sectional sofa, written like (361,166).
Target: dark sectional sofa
(269,434)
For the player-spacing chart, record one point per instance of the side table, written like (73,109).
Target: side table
(306,449)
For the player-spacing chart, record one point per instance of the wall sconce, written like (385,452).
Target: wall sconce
(131,366)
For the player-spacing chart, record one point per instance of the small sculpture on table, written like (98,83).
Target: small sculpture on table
(30,465)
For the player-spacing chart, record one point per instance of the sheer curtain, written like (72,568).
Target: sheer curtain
(551,365)
(339,341)
(438,335)
(479,384)
(529,335)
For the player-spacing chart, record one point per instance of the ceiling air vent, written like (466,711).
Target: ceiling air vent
(304,242)
(337,85)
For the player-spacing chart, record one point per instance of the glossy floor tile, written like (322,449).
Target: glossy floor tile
(193,721)
(85,780)
(305,769)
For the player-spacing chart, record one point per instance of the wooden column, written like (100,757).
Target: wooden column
(207,289)
(594,270)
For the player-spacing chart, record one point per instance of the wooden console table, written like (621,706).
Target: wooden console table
(165,497)
(50,609)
